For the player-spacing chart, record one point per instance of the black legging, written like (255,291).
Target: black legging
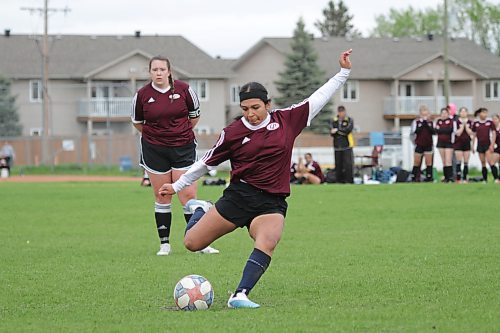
(343,165)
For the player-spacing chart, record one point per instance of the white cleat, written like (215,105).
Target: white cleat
(241,301)
(164,250)
(193,204)
(208,250)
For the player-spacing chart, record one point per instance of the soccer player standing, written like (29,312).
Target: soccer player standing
(462,144)
(485,137)
(259,147)
(165,111)
(496,152)
(445,129)
(422,129)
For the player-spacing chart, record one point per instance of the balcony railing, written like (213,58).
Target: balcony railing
(116,107)
(395,106)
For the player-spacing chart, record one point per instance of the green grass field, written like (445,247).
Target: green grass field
(80,257)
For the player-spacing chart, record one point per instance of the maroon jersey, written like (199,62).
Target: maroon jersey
(463,138)
(165,116)
(445,129)
(482,130)
(423,130)
(260,155)
(497,142)
(315,169)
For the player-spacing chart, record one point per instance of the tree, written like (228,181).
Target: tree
(409,22)
(336,21)
(302,76)
(477,20)
(9,118)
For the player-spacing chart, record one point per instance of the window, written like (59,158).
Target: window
(201,88)
(234,94)
(491,90)
(35,132)
(406,89)
(350,91)
(101,90)
(35,91)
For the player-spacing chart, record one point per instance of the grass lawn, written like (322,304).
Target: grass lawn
(80,257)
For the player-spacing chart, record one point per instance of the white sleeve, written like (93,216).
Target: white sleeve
(413,126)
(195,172)
(321,96)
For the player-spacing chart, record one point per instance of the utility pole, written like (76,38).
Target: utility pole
(445,55)
(46,119)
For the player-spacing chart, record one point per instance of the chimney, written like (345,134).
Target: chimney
(138,34)
(7,32)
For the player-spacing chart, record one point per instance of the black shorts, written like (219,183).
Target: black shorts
(241,203)
(160,159)
(482,148)
(423,149)
(446,145)
(461,146)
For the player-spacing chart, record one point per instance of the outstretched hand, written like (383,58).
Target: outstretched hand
(344,60)
(166,189)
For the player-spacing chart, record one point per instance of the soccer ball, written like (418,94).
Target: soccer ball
(193,292)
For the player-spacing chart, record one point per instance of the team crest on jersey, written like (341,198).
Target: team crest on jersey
(273,126)
(151,100)
(175,96)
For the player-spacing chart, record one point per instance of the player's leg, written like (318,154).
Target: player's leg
(186,194)
(203,232)
(496,161)
(266,230)
(417,163)
(311,179)
(442,154)
(466,165)
(163,210)
(484,171)
(491,161)
(429,163)
(459,156)
(448,152)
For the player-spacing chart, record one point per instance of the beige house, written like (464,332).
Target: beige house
(93,79)
(390,79)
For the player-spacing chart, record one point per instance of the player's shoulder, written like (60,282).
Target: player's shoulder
(234,129)
(181,85)
(146,88)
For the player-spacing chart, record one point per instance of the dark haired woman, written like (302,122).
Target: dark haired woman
(445,129)
(259,147)
(165,112)
(485,137)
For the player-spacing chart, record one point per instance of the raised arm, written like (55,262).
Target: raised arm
(321,96)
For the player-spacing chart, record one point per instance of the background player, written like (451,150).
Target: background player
(485,137)
(462,144)
(445,129)
(422,128)
(259,147)
(496,152)
(310,171)
(165,112)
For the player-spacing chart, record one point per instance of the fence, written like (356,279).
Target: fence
(110,150)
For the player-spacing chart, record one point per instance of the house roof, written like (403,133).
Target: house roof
(387,58)
(77,56)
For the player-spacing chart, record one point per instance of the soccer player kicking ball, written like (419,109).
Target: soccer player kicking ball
(259,147)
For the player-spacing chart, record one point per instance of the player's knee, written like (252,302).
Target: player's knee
(269,242)
(191,244)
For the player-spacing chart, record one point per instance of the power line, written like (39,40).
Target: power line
(44,11)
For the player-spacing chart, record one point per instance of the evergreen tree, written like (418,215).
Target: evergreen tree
(9,118)
(336,21)
(302,76)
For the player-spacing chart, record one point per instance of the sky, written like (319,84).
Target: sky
(225,28)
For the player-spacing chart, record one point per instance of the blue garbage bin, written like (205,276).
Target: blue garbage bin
(125,163)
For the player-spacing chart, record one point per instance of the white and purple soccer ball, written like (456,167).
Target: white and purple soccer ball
(193,292)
